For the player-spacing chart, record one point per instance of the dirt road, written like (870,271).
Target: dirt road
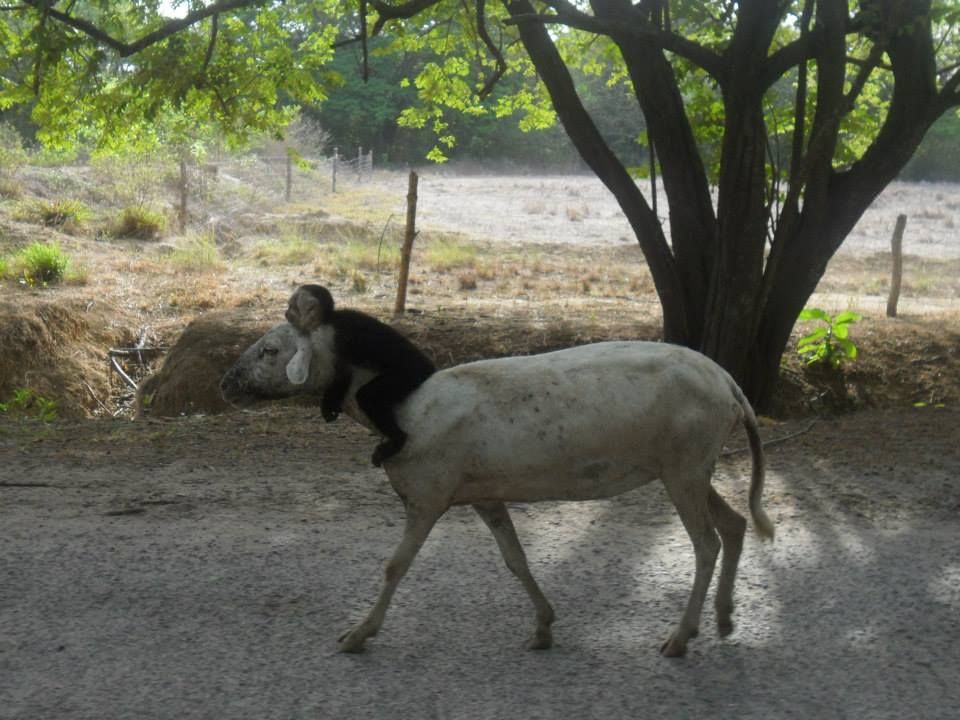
(204,567)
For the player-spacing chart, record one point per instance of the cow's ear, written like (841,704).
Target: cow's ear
(298,369)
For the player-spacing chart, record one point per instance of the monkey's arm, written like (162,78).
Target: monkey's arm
(333,398)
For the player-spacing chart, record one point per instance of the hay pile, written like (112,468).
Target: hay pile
(188,382)
(57,352)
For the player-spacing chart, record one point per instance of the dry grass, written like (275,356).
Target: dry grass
(196,254)
(287,250)
(472,293)
(56,350)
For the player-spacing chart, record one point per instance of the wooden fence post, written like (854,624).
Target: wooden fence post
(333,164)
(289,175)
(409,234)
(896,249)
(184,185)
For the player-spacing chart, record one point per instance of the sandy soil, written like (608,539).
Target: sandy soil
(203,566)
(579,210)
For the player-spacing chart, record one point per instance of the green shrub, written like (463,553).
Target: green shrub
(40,264)
(64,214)
(26,403)
(829,342)
(10,188)
(138,222)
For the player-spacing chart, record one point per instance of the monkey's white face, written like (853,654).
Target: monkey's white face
(305,312)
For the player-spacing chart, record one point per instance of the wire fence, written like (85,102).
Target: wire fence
(233,183)
(283,175)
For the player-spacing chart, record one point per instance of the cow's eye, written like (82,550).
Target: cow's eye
(267,350)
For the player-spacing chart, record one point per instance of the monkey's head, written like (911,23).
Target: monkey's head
(310,307)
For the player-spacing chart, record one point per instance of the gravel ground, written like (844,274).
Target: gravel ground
(204,567)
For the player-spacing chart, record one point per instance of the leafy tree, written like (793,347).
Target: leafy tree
(105,71)
(798,112)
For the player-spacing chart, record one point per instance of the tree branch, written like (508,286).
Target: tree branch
(866,67)
(363,40)
(800,105)
(789,56)
(208,56)
(597,154)
(626,29)
(125,49)
(493,49)
(949,93)
(387,12)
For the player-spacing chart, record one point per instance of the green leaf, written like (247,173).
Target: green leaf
(815,336)
(813,314)
(848,348)
(847,317)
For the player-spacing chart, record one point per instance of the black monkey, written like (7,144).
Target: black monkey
(360,340)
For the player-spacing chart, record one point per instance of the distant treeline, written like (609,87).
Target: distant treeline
(938,157)
(364,114)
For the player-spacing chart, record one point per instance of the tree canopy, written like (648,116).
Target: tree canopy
(774,123)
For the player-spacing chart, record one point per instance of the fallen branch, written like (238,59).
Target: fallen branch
(774,441)
(122,373)
(94,396)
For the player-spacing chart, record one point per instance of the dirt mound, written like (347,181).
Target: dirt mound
(903,362)
(59,352)
(188,381)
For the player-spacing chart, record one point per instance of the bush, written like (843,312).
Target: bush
(63,214)
(140,223)
(829,343)
(40,264)
(10,188)
(26,403)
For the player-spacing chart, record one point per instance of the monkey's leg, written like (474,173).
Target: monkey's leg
(377,400)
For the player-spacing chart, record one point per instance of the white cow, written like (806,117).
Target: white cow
(579,424)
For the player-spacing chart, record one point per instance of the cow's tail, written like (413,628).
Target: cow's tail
(761,521)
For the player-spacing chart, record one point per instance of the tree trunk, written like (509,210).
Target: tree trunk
(722,289)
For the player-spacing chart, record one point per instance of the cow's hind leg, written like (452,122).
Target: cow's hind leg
(420,521)
(497,518)
(689,495)
(732,527)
